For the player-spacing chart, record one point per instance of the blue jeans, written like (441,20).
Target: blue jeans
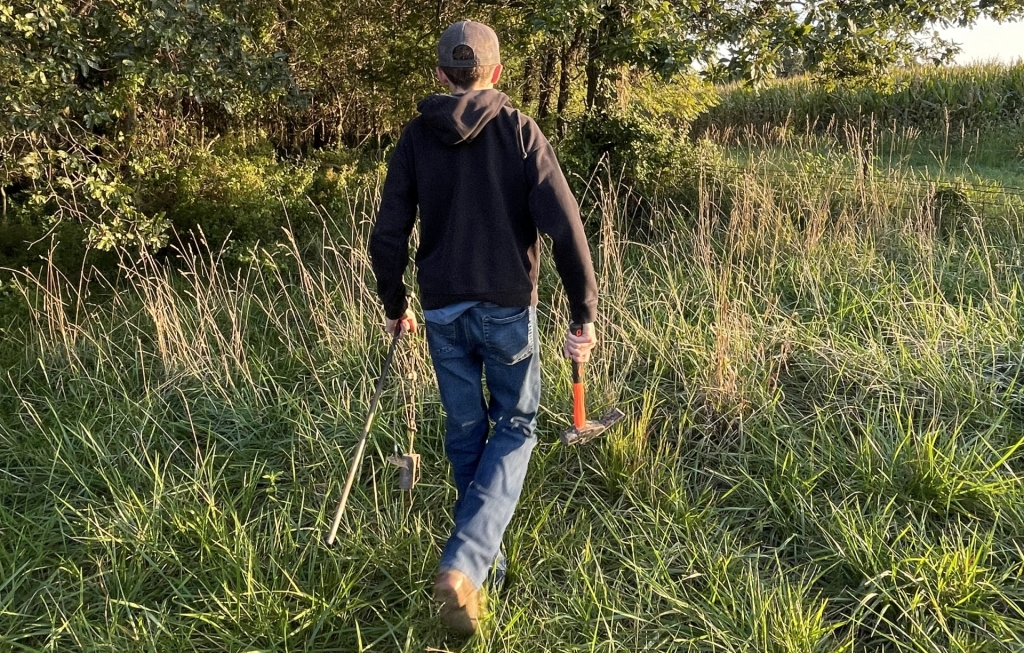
(498,344)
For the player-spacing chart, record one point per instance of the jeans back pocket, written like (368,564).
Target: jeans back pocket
(510,338)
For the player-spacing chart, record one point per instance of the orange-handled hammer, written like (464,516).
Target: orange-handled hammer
(583,430)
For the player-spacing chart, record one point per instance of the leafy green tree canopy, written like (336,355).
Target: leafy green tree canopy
(100,97)
(754,40)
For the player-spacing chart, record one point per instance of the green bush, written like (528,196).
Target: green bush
(244,195)
(649,160)
(242,198)
(953,211)
(234,196)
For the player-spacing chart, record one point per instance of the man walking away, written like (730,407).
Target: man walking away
(485,181)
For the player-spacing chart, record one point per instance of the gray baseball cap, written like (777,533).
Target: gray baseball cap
(480,38)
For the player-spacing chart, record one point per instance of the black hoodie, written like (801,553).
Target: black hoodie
(485,180)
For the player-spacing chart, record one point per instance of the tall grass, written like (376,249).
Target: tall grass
(822,449)
(927,98)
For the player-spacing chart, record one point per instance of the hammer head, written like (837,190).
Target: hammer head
(591,429)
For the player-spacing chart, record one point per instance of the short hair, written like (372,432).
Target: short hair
(466,77)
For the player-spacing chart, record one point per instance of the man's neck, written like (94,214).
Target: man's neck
(454,90)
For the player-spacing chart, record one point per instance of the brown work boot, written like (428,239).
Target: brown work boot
(459,599)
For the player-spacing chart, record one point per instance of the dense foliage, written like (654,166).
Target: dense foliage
(104,103)
(95,97)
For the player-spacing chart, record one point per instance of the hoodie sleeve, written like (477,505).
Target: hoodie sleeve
(556,213)
(389,240)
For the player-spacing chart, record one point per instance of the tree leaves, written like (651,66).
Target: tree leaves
(76,75)
(96,95)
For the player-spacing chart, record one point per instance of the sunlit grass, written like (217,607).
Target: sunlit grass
(822,449)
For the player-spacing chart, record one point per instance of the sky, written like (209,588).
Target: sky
(988,40)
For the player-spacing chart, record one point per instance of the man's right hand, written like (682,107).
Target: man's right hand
(578,347)
(407,323)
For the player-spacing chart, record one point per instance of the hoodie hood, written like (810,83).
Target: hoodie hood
(458,119)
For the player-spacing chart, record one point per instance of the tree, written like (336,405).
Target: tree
(78,78)
(98,97)
(751,40)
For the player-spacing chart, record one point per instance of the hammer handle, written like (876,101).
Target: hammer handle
(579,407)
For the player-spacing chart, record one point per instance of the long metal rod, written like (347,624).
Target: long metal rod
(362,438)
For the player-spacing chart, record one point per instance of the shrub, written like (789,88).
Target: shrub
(952,211)
(242,198)
(245,195)
(649,161)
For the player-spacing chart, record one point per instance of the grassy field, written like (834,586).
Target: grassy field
(928,98)
(822,449)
